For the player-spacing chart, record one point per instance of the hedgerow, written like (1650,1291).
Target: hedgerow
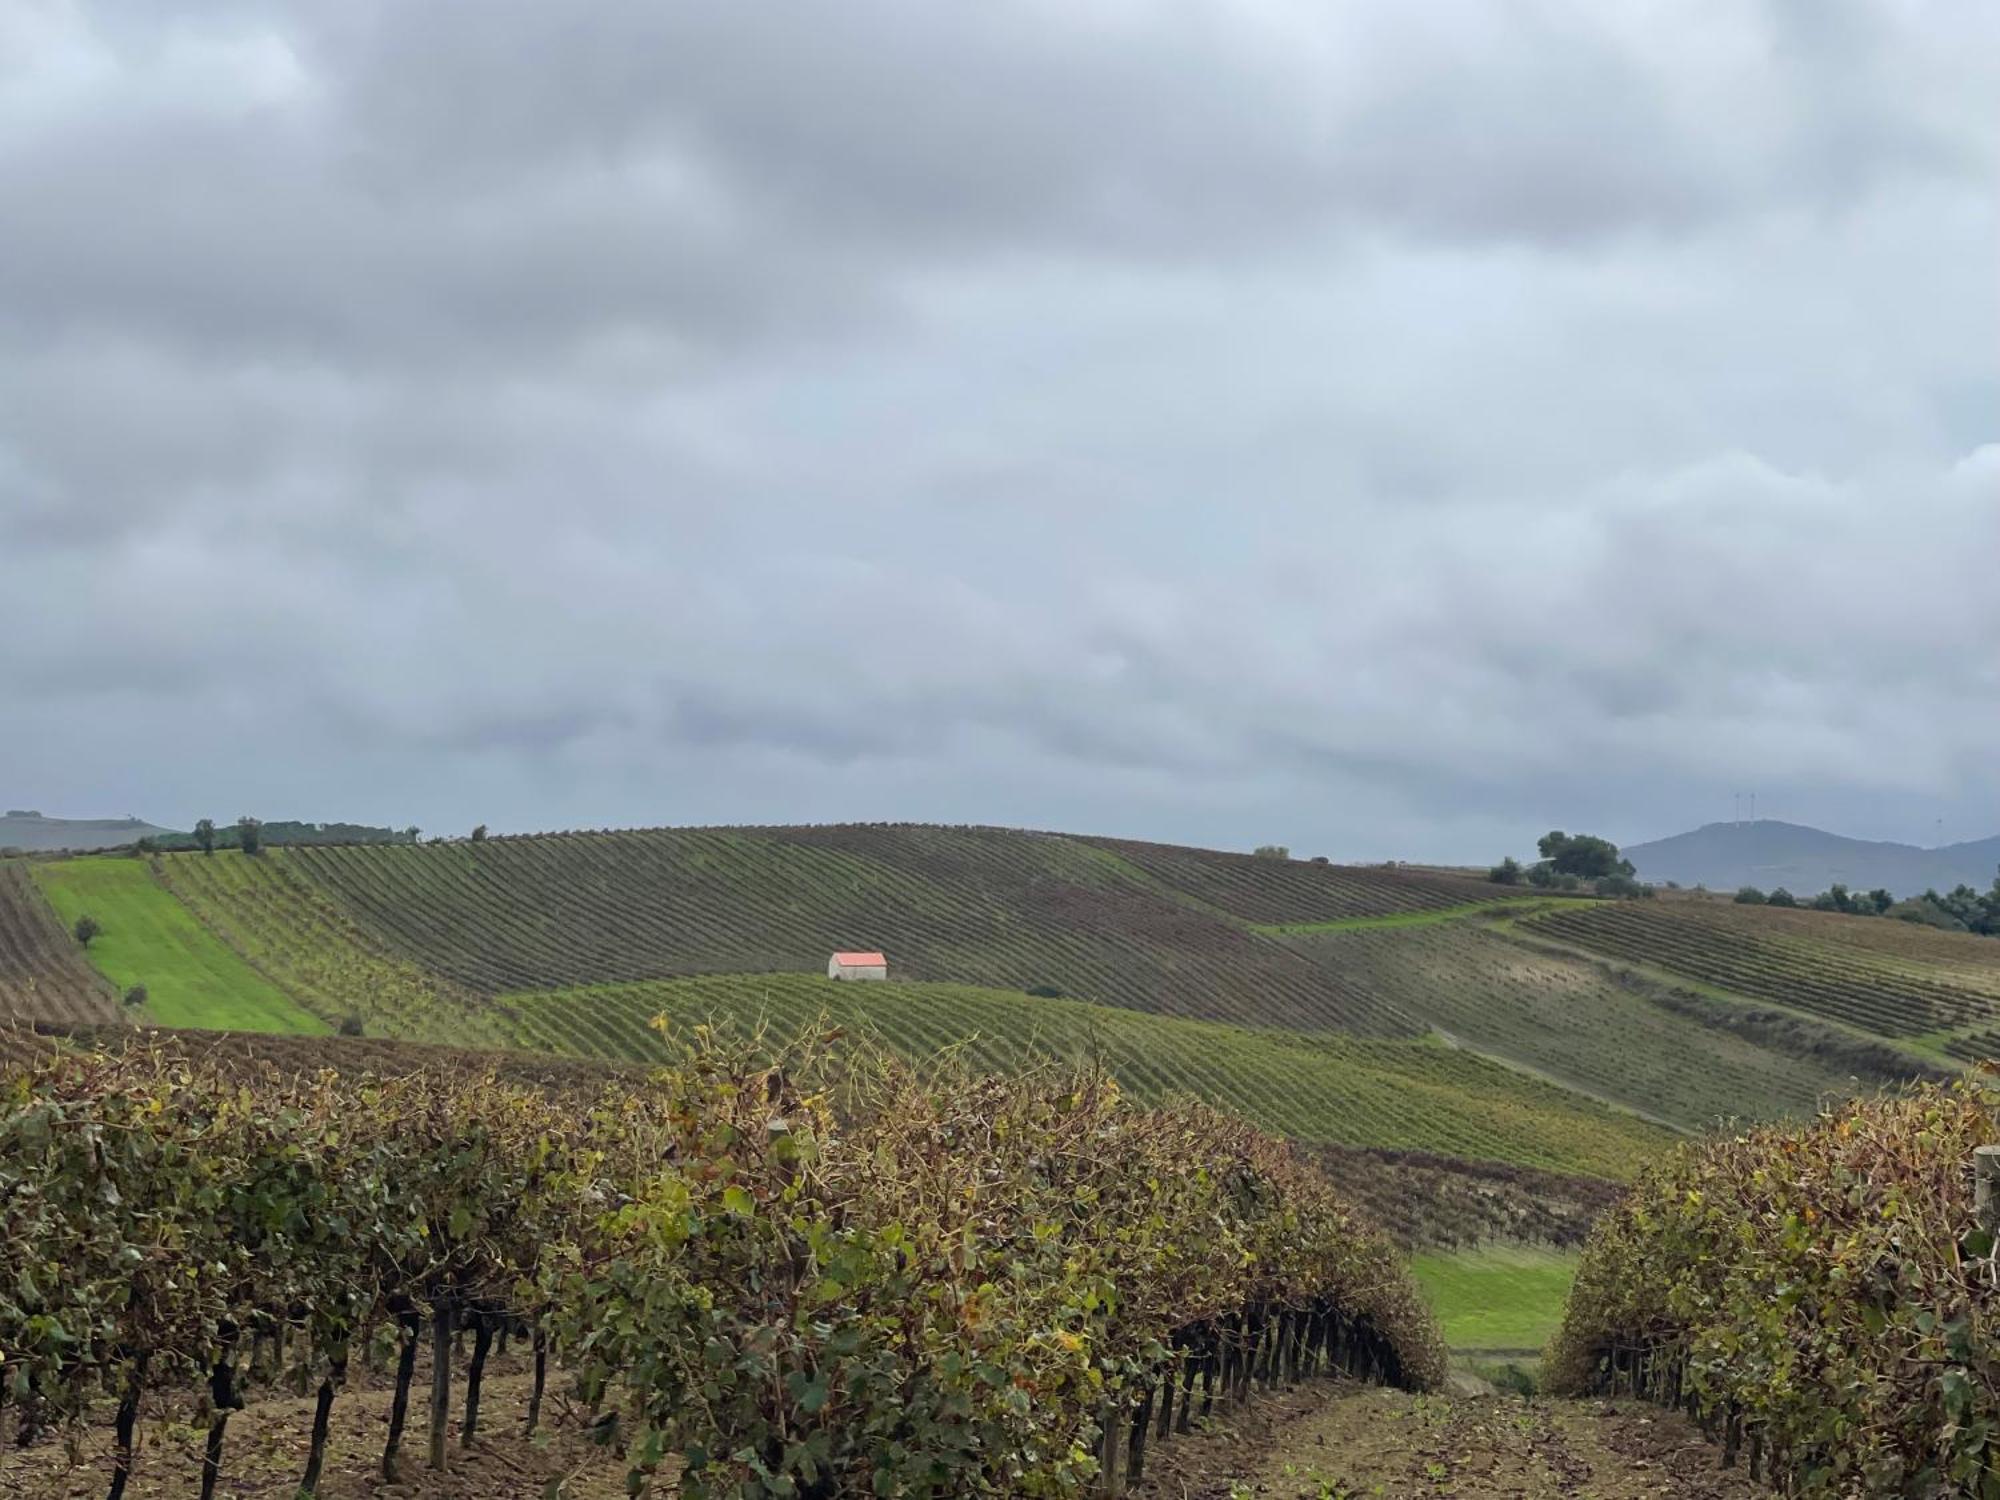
(1820,1294)
(791,1270)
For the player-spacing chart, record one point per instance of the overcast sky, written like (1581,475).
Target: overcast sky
(1387,429)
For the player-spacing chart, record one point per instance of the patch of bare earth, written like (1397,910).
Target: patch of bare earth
(1343,1442)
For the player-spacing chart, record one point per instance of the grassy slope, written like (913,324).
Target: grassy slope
(1498,1297)
(1404,1094)
(149,938)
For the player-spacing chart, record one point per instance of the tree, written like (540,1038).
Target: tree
(1507,872)
(86,928)
(249,835)
(1272,851)
(1781,897)
(135,996)
(350,1025)
(1749,895)
(479,834)
(204,835)
(146,846)
(1583,855)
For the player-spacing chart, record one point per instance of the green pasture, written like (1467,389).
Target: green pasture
(1499,1297)
(149,938)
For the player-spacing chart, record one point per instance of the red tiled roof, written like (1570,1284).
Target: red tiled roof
(860,960)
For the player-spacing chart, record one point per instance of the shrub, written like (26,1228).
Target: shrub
(204,835)
(1781,897)
(1624,887)
(1749,895)
(1045,992)
(250,835)
(1507,872)
(135,996)
(479,833)
(1272,851)
(350,1025)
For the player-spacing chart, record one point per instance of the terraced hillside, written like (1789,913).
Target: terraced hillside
(1884,978)
(1363,1092)
(43,973)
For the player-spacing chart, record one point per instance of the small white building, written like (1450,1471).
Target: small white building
(857,966)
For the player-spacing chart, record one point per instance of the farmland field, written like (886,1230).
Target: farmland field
(1284,891)
(1496,1298)
(1414,1095)
(192,978)
(308,945)
(974,906)
(43,973)
(1372,1007)
(1572,1021)
(1866,973)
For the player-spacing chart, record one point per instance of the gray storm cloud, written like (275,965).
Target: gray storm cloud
(1387,429)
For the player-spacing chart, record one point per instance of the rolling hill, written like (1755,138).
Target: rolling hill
(1370,1009)
(1805,861)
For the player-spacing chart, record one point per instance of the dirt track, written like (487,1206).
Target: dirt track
(1348,1442)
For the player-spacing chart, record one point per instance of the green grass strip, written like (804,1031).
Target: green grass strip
(1496,1297)
(149,938)
(1406,918)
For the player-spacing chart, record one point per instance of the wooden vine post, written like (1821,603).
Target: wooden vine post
(1986,1188)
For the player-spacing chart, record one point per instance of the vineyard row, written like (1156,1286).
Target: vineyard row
(774,1269)
(1822,1298)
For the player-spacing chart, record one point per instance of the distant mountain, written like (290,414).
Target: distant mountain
(24,829)
(1805,861)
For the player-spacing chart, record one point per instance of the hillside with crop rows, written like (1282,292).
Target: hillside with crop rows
(1322,1087)
(1887,978)
(1372,1007)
